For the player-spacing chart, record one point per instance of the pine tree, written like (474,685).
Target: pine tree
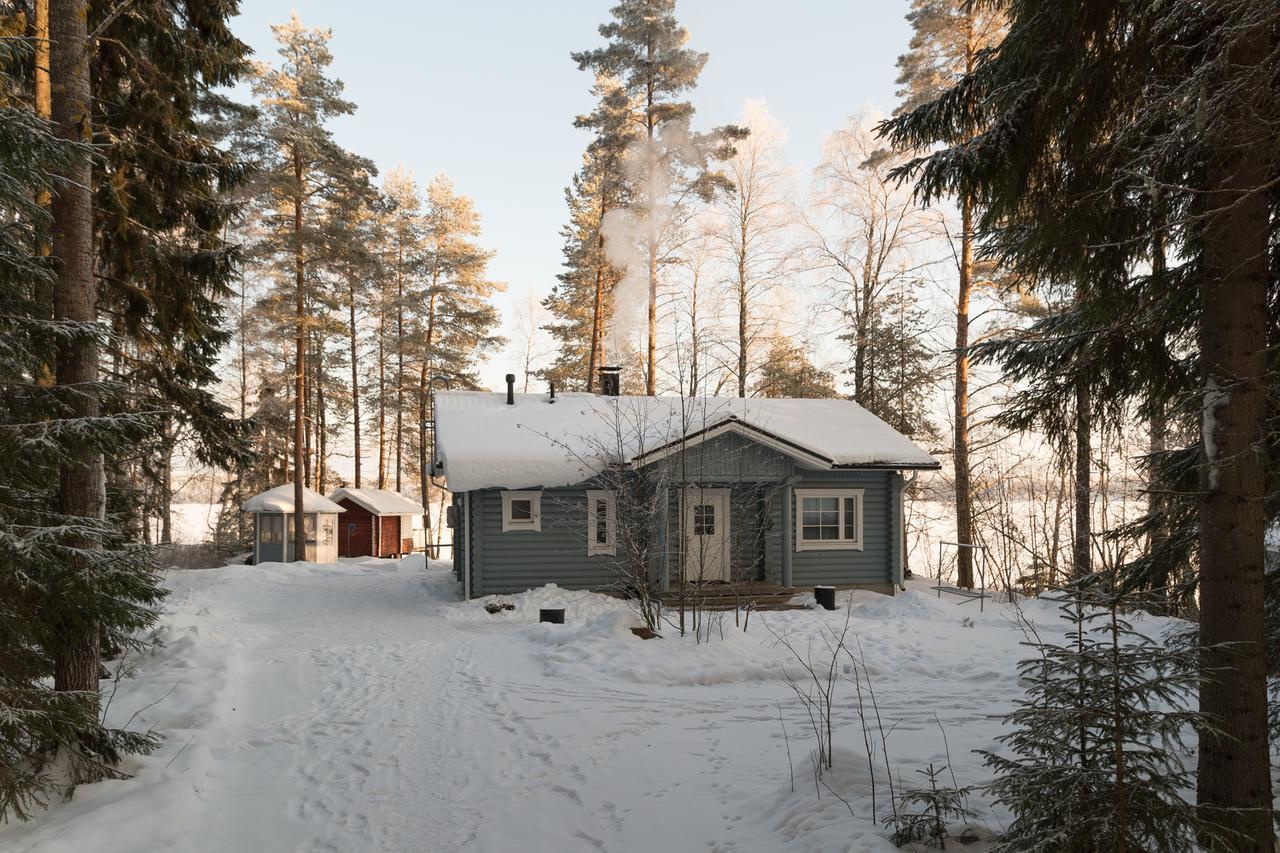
(581,303)
(646,54)
(1097,760)
(302,169)
(948,38)
(454,329)
(68,577)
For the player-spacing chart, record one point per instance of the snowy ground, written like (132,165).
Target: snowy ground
(362,707)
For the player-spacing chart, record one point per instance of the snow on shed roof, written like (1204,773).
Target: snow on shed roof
(484,443)
(379,501)
(280,499)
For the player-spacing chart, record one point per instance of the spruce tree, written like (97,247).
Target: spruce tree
(1104,146)
(1097,757)
(69,579)
(789,371)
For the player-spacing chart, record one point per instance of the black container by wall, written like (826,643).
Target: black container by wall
(552,615)
(826,596)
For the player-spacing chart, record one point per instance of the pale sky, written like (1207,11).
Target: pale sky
(486,93)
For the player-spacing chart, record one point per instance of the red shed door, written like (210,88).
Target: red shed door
(390,544)
(355,531)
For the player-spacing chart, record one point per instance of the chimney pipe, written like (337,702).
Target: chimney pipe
(610,381)
(511,389)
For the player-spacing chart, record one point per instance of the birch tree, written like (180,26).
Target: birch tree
(753,225)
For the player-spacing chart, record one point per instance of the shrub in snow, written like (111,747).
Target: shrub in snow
(1097,759)
(499,606)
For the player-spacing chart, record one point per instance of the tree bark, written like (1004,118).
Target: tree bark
(595,356)
(964,494)
(399,370)
(1081,538)
(742,308)
(382,400)
(300,360)
(166,480)
(322,447)
(355,377)
(1233,782)
(81,483)
(651,357)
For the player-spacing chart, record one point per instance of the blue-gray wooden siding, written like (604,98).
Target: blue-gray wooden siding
(756,476)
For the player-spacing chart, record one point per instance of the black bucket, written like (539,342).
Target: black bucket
(826,596)
(553,615)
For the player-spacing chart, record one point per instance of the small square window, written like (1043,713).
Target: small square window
(521,511)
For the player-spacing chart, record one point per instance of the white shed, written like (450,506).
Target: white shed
(273,515)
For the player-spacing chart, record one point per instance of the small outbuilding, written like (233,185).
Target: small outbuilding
(273,520)
(377,523)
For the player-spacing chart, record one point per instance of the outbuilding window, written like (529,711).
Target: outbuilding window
(602,525)
(521,511)
(270,529)
(828,519)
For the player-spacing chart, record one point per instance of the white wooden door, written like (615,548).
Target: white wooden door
(706,534)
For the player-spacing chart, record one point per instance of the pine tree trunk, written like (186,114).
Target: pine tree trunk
(1081,541)
(355,379)
(81,484)
(44,109)
(166,480)
(300,360)
(595,355)
(424,460)
(426,447)
(1234,782)
(651,358)
(964,493)
(309,414)
(382,401)
(322,448)
(399,376)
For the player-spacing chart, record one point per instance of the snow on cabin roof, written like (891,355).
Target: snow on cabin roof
(280,499)
(379,501)
(484,443)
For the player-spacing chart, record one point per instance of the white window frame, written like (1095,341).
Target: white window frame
(609,548)
(843,543)
(533,524)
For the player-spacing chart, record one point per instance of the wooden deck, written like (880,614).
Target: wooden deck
(732,596)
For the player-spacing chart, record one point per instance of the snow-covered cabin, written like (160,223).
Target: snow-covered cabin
(788,492)
(273,520)
(378,523)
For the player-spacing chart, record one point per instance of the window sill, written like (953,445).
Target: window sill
(828,546)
